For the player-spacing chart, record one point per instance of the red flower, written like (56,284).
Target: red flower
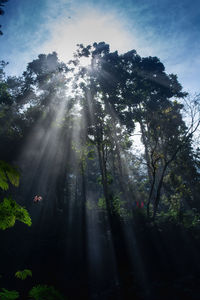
(37,199)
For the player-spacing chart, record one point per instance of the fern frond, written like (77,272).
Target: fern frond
(10,211)
(8,174)
(3,180)
(23,274)
(8,295)
(45,292)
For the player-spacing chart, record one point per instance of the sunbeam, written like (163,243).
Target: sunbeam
(99,158)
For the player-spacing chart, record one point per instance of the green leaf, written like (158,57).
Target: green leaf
(102,203)
(13,175)
(3,180)
(8,295)
(23,274)
(8,174)
(45,292)
(10,211)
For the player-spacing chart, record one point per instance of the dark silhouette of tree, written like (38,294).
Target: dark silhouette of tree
(128,89)
(71,129)
(2,2)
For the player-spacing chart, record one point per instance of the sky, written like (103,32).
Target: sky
(168,29)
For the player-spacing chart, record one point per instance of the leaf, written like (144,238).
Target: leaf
(3,180)
(45,292)
(8,295)
(13,175)
(10,211)
(23,274)
(8,174)
(102,203)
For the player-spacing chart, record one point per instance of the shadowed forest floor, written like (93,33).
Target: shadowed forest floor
(170,263)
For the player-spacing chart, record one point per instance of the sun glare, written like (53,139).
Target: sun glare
(85,61)
(86,27)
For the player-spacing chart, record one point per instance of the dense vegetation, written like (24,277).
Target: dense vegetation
(115,221)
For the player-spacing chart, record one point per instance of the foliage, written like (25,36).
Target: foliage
(91,138)
(118,207)
(10,211)
(112,98)
(2,10)
(102,203)
(8,295)
(8,174)
(45,292)
(23,274)
(191,218)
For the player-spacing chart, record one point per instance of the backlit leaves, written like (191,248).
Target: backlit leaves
(10,211)
(8,174)
(23,274)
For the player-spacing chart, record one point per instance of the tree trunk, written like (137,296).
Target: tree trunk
(158,192)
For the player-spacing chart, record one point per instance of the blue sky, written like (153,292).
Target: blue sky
(164,28)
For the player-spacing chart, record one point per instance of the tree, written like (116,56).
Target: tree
(2,10)
(108,98)
(128,90)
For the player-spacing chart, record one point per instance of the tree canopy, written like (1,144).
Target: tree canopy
(73,129)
